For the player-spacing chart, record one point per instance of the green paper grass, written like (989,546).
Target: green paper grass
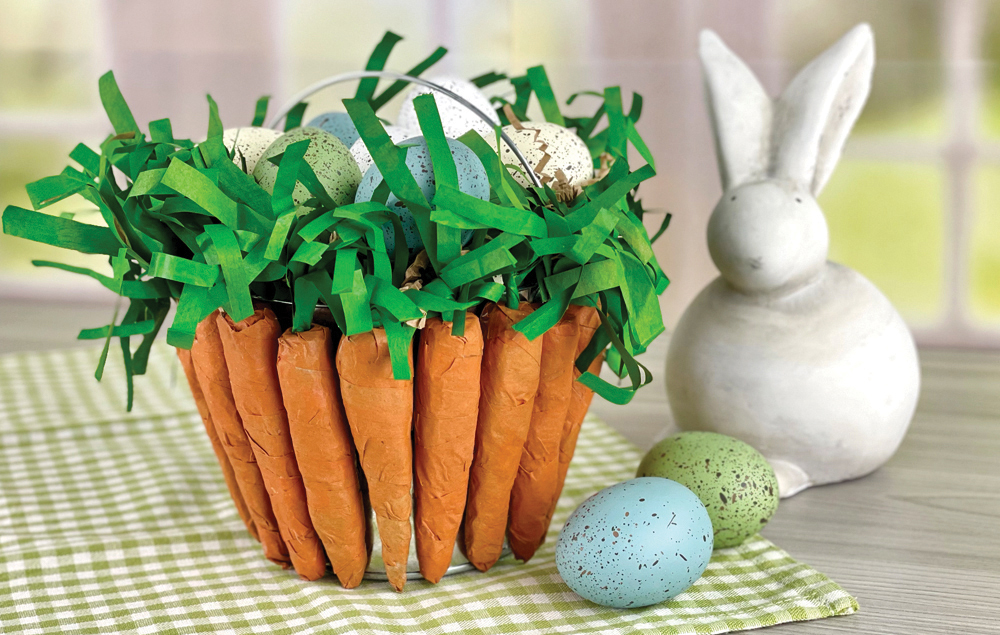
(184,224)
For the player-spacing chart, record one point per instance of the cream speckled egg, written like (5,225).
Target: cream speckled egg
(537,141)
(455,117)
(364,157)
(327,155)
(250,143)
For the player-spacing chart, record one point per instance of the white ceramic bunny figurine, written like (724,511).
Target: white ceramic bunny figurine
(800,357)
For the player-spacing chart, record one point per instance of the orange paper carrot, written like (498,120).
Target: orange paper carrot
(538,473)
(251,348)
(509,381)
(380,412)
(213,378)
(447,406)
(589,321)
(220,453)
(323,449)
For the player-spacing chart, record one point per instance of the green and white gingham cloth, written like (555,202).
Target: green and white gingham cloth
(120,522)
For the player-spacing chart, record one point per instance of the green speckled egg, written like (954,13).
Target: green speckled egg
(733,480)
(330,159)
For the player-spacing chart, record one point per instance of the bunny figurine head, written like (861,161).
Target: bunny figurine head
(767,234)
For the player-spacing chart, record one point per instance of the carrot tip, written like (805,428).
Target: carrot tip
(352,581)
(525,555)
(432,576)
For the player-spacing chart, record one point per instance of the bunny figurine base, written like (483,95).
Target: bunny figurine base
(800,357)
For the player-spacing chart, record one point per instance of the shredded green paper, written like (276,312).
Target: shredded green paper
(183,223)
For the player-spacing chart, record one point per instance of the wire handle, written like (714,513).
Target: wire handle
(346,77)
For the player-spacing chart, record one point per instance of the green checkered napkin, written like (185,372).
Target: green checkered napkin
(120,522)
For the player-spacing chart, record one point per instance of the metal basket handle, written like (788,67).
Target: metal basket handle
(346,77)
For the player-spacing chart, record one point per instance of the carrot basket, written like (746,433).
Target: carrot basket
(393,367)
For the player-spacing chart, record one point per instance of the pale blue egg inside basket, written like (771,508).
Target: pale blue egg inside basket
(472,180)
(339,124)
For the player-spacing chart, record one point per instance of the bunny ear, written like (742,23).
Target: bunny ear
(817,110)
(740,111)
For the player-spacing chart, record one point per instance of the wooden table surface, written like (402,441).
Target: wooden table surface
(917,542)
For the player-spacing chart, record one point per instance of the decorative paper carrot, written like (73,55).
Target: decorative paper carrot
(213,437)
(447,407)
(380,412)
(213,378)
(589,321)
(323,449)
(509,381)
(538,474)
(251,348)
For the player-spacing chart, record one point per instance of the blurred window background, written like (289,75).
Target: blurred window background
(914,204)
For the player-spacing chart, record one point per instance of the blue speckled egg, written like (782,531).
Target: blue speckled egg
(338,124)
(472,180)
(634,544)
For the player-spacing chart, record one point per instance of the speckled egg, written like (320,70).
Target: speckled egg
(338,124)
(456,118)
(250,143)
(330,160)
(636,543)
(472,180)
(733,480)
(360,151)
(549,145)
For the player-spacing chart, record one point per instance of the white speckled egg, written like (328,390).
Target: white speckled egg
(472,180)
(455,117)
(327,155)
(549,145)
(250,143)
(364,157)
(339,124)
(636,543)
